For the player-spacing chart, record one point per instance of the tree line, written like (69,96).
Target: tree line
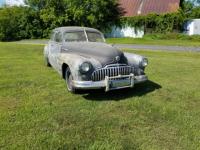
(39,17)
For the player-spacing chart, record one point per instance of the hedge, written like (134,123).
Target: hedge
(164,23)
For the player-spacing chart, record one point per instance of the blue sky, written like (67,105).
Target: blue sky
(2,2)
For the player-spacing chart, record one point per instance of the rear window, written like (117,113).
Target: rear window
(76,36)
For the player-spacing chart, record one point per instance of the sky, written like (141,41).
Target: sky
(14,2)
(11,2)
(2,2)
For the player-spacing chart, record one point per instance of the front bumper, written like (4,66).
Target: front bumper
(107,82)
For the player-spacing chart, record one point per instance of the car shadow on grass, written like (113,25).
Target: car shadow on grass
(118,95)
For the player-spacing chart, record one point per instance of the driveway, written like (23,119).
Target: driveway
(131,46)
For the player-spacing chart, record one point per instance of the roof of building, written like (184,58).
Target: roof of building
(144,7)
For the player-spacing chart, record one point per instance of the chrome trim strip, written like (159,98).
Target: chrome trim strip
(104,84)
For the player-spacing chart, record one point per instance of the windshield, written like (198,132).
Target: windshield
(80,36)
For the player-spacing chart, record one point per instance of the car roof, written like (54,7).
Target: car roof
(75,28)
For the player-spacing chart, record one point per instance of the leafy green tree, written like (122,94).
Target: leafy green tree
(195,13)
(93,13)
(9,23)
(52,13)
(186,6)
(20,23)
(37,20)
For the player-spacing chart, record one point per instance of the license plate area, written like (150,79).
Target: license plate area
(118,82)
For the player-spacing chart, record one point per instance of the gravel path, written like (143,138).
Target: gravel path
(131,46)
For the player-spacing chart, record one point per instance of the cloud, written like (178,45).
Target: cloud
(15,2)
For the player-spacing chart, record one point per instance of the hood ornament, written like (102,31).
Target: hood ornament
(117,58)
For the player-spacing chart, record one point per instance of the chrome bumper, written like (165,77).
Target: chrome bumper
(106,83)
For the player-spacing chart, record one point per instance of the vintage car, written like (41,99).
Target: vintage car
(85,61)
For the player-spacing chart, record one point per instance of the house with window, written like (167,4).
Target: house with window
(133,8)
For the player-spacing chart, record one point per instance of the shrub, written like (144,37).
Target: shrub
(165,23)
(9,26)
(19,23)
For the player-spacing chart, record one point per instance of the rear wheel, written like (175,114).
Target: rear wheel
(69,81)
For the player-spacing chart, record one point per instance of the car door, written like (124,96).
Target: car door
(55,49)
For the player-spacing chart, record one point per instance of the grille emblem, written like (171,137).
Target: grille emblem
(117,58)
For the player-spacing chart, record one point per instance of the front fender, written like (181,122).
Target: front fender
(134,59)
(73,61)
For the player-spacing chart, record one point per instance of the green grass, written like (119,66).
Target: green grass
(37,112)
(148,41)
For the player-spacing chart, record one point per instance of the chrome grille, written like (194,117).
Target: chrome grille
(111,71)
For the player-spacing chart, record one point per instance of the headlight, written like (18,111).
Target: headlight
(144,62)
(85,67)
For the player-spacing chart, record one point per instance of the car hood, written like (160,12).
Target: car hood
(104,53)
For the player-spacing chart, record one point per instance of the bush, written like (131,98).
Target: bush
(9,24)
(37,20)
(165,23)
(19,23)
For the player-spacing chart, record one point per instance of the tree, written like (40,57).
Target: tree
(189,3)
(93,13)
(10,26)
(195,13)
(52,14)
(37,20)
(186,6)
(196,2)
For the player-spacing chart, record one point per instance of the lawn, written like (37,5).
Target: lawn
(146,41)
(37,112)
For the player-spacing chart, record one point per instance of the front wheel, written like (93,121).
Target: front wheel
(68,80)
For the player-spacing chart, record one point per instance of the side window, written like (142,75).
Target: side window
(58,37)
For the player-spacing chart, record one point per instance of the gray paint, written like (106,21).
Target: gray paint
(102,52)
(75,53)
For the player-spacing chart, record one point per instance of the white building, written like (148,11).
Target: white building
(133,8)
(127,31)
(192,27)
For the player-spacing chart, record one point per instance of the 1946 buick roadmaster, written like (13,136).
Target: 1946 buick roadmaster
(85,61)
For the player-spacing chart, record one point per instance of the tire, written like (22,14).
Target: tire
(46,59)
(68,80)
